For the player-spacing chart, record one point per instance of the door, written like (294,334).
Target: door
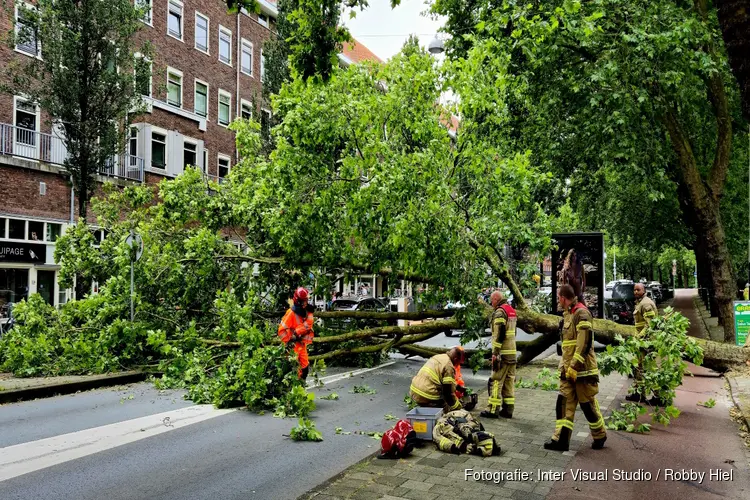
(45,286)
(26,135)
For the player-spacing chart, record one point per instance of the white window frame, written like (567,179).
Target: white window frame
(133,139)
(261,21)
(149,19)
(182,86)
(225,31)
(205,161)
(247,44)
(208,33)
(193,142)
(15,30)
(165,133)
(140,56)
(179,4)
(262,65)
(195,94)
(218,110)
(244,103)
(270,115)
(220,157)
(37,125)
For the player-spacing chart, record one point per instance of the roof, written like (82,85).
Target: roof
(356,52)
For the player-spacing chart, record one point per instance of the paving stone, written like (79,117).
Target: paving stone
(399,492)
(541,490)
(524,495)
(419,495)
(441,480)
(416,476)
(430,462)
(340,491)
(366,495)
(416,485)
(391,480)
(364,476)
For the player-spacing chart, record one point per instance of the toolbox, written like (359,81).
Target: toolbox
(423,420)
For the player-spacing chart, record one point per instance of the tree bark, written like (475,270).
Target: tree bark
(734,20)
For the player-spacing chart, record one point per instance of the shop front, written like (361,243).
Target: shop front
(26,262)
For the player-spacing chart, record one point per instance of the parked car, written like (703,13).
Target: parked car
(656,292)
(369,304)
(620,306)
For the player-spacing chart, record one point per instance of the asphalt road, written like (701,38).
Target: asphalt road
(231,455)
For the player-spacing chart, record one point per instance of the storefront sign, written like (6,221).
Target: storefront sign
(22,252)
(741,321)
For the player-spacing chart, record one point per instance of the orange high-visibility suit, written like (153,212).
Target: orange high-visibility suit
(292,324)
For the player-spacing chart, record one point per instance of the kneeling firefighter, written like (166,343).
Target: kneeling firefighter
(458,432)
(296,327)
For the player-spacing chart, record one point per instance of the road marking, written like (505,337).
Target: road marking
(341,376)
(28,457)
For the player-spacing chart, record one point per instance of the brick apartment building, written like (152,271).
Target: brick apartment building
(205,71)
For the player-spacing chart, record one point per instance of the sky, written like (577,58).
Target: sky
(384,31)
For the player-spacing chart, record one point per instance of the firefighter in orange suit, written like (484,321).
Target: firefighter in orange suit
(297,327)
(579,374)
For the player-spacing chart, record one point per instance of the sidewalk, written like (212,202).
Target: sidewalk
(431,474)
(700,440)
(14,389)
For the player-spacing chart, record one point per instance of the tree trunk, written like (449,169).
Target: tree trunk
(734,19)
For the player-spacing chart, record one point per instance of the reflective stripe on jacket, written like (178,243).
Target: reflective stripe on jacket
(436,372)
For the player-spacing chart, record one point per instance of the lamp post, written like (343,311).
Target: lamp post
(436,46)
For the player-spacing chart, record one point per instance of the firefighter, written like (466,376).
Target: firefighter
(297,327)
(500,386)
(579,375)
(458,432)
(645,311)
(461,392)
(435,383)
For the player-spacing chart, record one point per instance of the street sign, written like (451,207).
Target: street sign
(674,268)
(138,241)
(741,321)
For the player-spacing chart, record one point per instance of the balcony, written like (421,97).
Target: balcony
(48,148)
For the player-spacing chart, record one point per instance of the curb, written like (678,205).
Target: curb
(46,391)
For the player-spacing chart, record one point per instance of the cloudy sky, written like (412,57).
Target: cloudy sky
(384,31)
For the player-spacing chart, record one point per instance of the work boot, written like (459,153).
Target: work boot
(507,412)
(635,398)
(488,414)
(598,444)
(555,445)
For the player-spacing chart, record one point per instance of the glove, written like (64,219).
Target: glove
(571,374)
(460,391)
(495,363)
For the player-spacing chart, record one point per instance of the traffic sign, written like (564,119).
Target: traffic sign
(138,241)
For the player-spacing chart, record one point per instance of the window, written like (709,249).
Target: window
(263,20)
(158,150)
(246,60)
(174,23)
(16,229)
(190,156)
(265,122)
(2,227)
(225,45)
(174,87)
(36,230)
(53,231)
(26,122)
(225,106)
(223,166)
(246,110)
(146,7)
(133,145)
(205,161)
(201,98)
(262,65)
(201,32)
(27,32)
(142,76)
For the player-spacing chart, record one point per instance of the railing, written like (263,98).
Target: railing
(215,178)
(124,167)
(25,143)
(49,148)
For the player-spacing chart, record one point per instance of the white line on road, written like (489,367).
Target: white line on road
(28,457)
(341,376)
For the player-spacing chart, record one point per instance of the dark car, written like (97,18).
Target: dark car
(621,305)
(368,304)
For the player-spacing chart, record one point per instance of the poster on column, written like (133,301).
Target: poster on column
(741,321)
(578,261)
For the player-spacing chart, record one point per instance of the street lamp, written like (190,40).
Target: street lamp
(436,46)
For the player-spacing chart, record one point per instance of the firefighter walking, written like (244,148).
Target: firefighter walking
(579,374)
(297,327)
(645,311)
(501,385)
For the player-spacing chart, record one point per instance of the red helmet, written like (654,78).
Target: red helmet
(301,295)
